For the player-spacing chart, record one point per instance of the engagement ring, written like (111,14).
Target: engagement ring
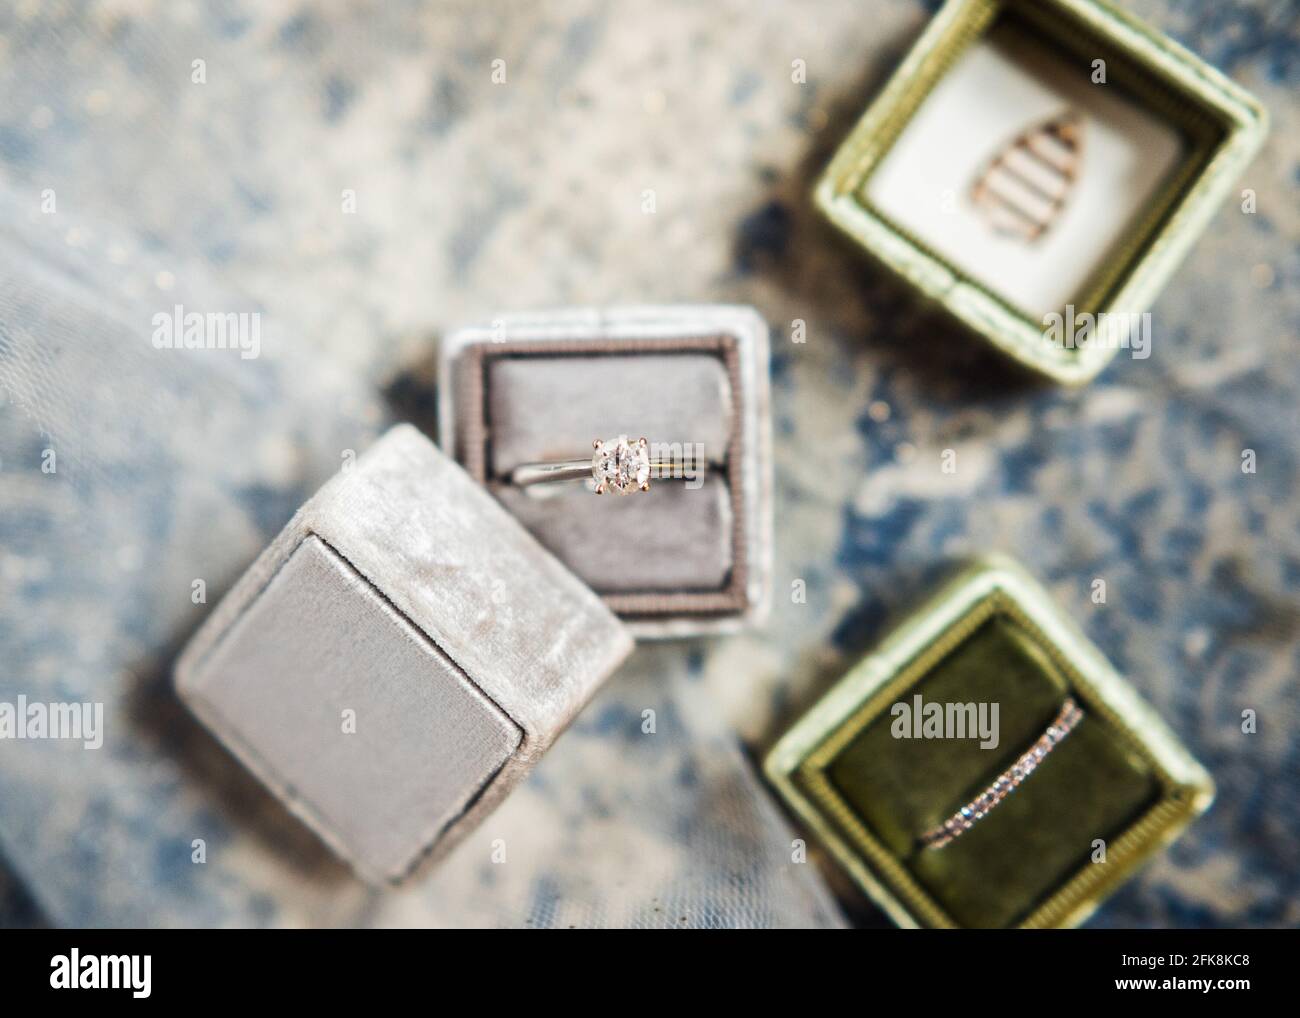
(617,465)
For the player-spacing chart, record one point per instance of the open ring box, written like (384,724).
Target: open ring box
(1038,168)
(910,735)
(692,555)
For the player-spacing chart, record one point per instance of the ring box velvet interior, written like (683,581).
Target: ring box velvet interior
(990,636)
(398,658)
(682,559)
(1034,156)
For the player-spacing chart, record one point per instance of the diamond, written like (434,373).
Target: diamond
(621,466)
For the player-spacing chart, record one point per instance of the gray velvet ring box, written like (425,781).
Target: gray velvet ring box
(398,658)
(680,560)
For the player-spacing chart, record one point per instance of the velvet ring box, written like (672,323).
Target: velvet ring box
(398,658)
(865,772)
(1038,168)
(686,557)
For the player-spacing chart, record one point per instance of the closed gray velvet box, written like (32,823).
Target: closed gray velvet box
(398,658)
(541,386)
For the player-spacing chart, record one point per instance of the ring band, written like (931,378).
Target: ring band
(616,465)
(1006,782)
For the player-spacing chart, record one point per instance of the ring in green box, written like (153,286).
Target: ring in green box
(1039,168)
(1103,794)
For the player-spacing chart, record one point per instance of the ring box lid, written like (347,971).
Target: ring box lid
(404,595)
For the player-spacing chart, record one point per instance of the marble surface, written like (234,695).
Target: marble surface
(473,197)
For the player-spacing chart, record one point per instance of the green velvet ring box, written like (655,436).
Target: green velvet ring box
(870,782)
(1039,168)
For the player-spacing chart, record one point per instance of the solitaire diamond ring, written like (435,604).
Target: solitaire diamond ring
(616,465)
(1006,782)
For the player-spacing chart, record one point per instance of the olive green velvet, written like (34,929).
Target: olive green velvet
(1091,786)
